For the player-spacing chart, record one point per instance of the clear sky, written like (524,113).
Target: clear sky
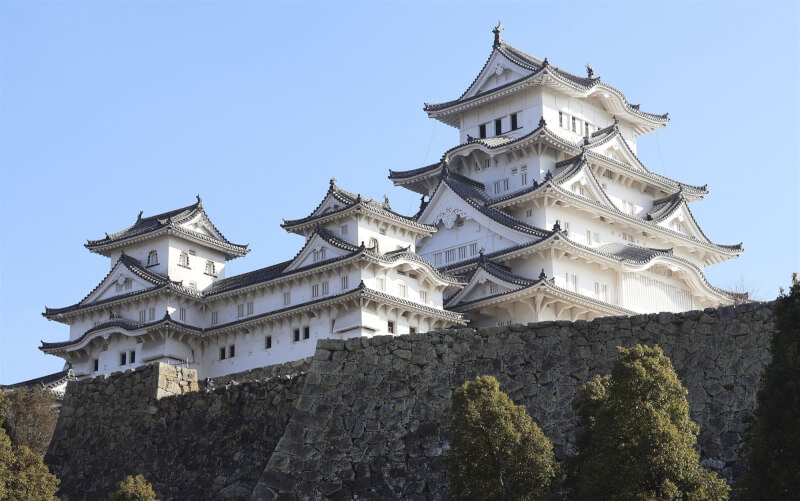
(109,108)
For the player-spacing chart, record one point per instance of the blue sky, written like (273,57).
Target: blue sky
(109,108)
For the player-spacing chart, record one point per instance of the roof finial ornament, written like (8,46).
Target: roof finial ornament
(385,199)
(548,175)
(498,39)
(199,200)
(557,226)
(616,120)
(542,122)
(139,218)
(545,63)
(333,181)
(589,70)
(470,138)
(542,275)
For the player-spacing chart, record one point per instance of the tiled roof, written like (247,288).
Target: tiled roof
(403,174)
(169,220)
(48,381)
(350,200)
(604,135)
(539,67)
(475,195)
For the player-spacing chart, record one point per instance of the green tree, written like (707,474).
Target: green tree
(30,421)
(134,489)
(497,451)
(23,475)
(772,443)
(637,441)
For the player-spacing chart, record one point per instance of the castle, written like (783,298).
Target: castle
(543,211)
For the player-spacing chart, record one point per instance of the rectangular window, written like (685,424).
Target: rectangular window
(493,289)
(152,314)
(118,287)
(96,362)
(214,318)
(182,314)
(514,171)
(514,125)
(596,237)
(128,284)
(498,127)
(96,323)
(325,288)
(497,186)
(381,281)
(462,252)
(142,315)
(390,327)
(482,131)
(345,282)
(473,249)
(306,332)
(132,356)
(572,282)
(529,213)
(450,255)
(315,290)
(123,358)
(231,351)
(222,353)
(402,290)
(588,236)
(296,335)
(608,174)
(601,291)
(565,226)
(423,296)
(437,259)
(628,237)
(193,285)
(412,330)
(287,298)
(523,178)
(249,307)
(574,125)
(344,229)
(585,129)
(210,268)
(240,310)
(268,342)
(560,119)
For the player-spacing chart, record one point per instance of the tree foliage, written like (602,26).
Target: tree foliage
(134,489)
(497,451)
(638,441)
(29,421)
(772,444)
(23,475)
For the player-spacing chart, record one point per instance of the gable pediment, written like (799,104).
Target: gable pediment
(119,282)
(482,284)
(499,70)
(617,149)
(682,221)
(316,250)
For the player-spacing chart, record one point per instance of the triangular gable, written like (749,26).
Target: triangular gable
(616,148)
(329,204)
(446,208)
(306,256)
(584,183)
(497,71)
(201,224)
(481,284)
(682,220)
(114,284)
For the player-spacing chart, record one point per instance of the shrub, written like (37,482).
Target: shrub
(134,489)
(497,451)
(638,441)
(29,421)
(23,475)
(772,443)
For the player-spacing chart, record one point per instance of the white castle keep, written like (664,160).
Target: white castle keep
(542,212)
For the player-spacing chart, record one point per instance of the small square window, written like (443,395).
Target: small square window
(268,342)
(297,335)
(345,282)
(96,364)
(498,127)
(287,298)
(152,314)
(240,310)
(412,330)
(344,229)
(142,316)
(222,353)
(249,307)
(482,131)
(325,288)
(390,327)
(306,332)
(231,351)
(214,317)
(514,125)
(132,356)
(423,296)
(182,314)
(123,358)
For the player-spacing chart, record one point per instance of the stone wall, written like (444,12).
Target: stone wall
(370,417)
(190,444)
(290,369)
(372,420)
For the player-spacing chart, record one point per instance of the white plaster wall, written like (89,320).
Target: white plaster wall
(197,263)
(527,104)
